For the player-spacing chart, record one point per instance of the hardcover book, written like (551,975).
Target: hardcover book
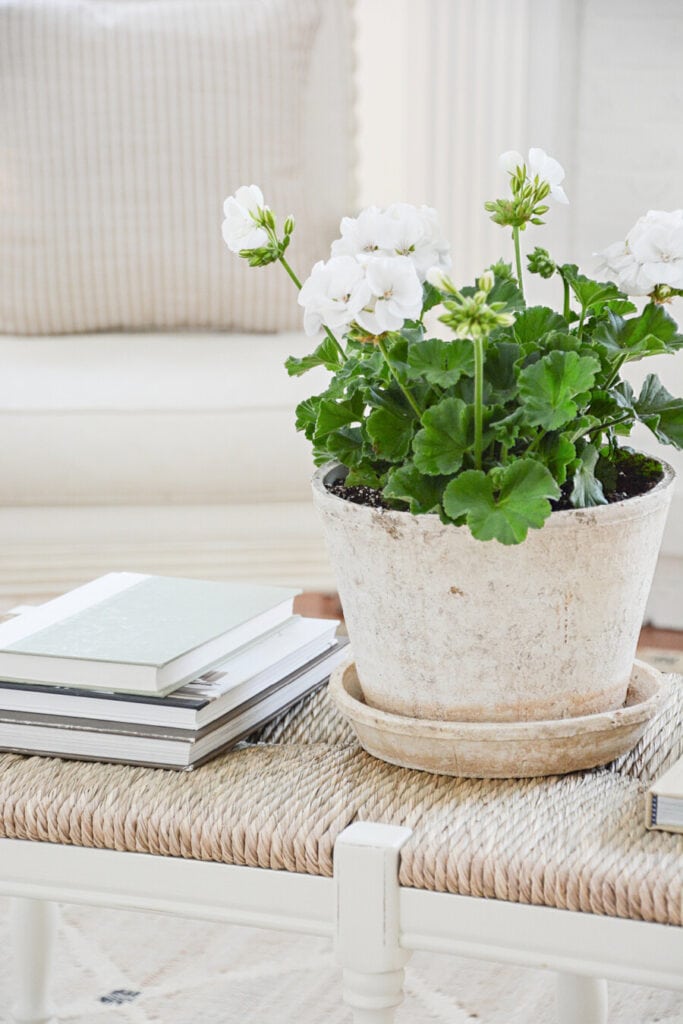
(160,746)
(664,805)
(242,676)
(130,632)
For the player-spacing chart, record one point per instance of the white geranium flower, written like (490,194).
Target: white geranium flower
(334,294)
(396,294)
(367,234)
(656,241)
(539,165)
(400,230)
(619,264)
(416,234)
(510,160)
(240,230)
(652,254)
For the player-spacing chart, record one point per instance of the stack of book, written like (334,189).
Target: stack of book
(156,671)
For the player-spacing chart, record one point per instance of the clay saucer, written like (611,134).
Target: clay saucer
(500,750)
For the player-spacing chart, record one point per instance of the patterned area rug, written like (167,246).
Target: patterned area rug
(115,967)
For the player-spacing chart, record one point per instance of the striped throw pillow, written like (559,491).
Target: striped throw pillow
(123,126)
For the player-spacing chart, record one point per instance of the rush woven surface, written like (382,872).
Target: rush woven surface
(279,801)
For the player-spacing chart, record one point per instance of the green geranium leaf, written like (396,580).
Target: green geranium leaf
(587,489)
(367,474)
(501,427)
(558,454)
(346,446)
(413,335)
(660,411)
(534,323)
(431,297)
(307,414)
(504,290)
(548,388)
(440,362)
(445,437)
(333,415)
(651,333)
(391,433)
(503,504)
(563,341)
(421,493)
(499,369)
(326,354)
(620,306)
(591,294)
(367,365)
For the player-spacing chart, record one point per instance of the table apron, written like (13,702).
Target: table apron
(540,937)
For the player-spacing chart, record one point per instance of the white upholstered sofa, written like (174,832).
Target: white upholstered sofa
(148,421)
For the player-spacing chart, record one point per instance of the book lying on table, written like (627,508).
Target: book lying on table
(664,807)
(163,746)
(246,674)
(135,633)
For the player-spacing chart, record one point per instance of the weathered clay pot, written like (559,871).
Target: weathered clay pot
(446,627)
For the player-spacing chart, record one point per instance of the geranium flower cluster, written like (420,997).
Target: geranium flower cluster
(650,259)
(375,274)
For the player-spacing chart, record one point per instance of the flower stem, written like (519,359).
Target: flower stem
(518,259)
(291,273)
(478,400)
(411,401)
(567,308)
(297,282)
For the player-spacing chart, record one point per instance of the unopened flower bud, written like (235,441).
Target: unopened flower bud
(289,225)
(437,278)
(486,281)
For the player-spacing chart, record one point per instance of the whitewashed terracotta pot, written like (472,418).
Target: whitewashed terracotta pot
(446,627)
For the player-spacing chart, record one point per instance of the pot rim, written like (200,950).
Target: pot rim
(628,508)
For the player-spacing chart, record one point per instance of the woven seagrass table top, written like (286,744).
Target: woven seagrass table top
(279,801)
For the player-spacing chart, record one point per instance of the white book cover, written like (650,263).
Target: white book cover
(133,632)
(243,675)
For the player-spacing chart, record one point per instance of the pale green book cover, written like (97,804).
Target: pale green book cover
(151,623)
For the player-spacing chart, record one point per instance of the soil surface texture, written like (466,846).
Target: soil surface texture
(632,475)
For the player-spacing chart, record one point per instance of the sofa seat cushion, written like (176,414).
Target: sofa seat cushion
(146,419)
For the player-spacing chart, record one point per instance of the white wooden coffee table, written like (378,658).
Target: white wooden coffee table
(121,837)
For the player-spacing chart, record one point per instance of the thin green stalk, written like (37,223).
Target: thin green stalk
(518,259)
(535,443)
(567,308)
(291,273)
(614,376)
(610,423)
(411,401)
(297,282)
(582,320)
(478,400)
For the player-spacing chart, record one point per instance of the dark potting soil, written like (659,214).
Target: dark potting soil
(632,474)
(358,495)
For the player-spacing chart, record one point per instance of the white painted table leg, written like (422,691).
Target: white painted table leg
(581,1000)
(34,926)
(367,937)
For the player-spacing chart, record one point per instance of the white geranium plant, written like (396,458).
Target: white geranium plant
(520,412)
